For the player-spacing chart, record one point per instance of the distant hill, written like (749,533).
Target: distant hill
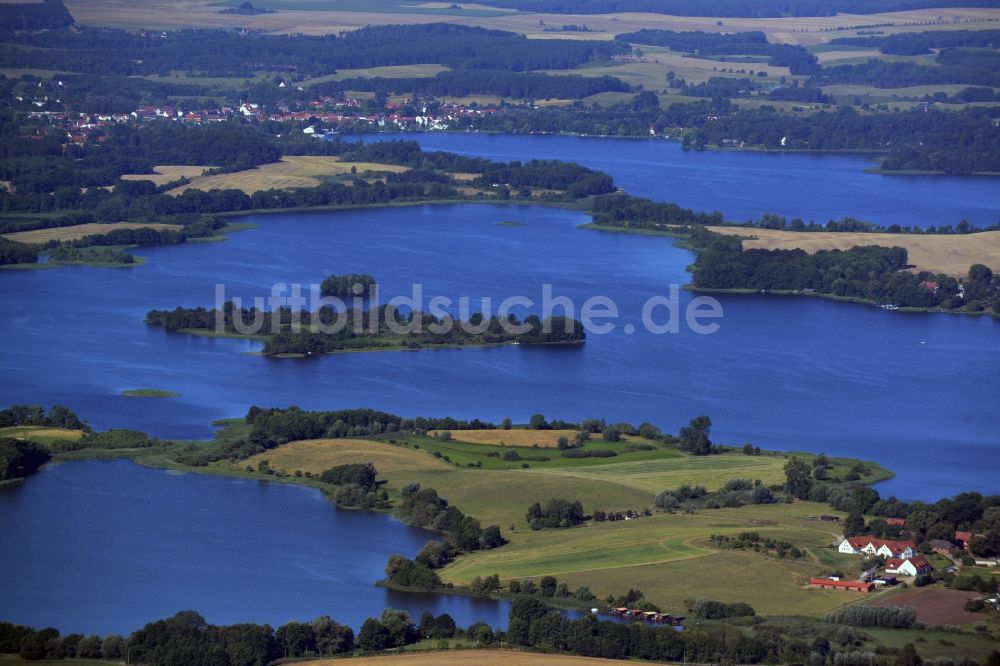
(35,15)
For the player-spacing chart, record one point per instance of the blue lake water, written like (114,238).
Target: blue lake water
(791,374)
(745,185)
(916,392)
(105,547)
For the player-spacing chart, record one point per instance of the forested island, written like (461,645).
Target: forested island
(288,333)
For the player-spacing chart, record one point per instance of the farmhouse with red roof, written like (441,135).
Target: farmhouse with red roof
(872,546)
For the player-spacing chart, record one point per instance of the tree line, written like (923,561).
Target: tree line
(973,67)
(795,57)
(871,273)
(44,15)
(920,43)
(459,83)
(228,53)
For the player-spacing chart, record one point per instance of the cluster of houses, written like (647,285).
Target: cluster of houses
(902,558)
(325,112)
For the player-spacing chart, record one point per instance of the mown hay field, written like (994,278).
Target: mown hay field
(317,455)
(950,254)
(291,171)
(41,434)
(167,173)
(78,231)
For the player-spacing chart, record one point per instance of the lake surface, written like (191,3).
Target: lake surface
(745,185)
(108,546)
(917,392)
(104,547)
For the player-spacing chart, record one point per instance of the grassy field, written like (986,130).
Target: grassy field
(291,171)
(668,556)
(512,437)
(78,231)
(321,454)
(166,173)
(656,475)
(41,434)
(391,71)
(949,254)
(335,17)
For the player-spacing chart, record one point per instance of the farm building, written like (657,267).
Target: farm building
(942,546)
(910,566)
(843,585)
(963,538)
(872,546)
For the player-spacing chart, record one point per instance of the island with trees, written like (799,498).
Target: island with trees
(287,333)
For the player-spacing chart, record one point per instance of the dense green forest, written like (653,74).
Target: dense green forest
(45,181)
(872,273)
(730,8)
(980,67)
(459,83)
(919,43)
(796,58)
(20,458)
(219,53)
(44,15)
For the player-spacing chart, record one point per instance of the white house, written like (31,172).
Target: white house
(909,566)
(871,546)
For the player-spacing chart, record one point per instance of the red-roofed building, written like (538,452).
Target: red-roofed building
(899,522)
(843,585)
(910,566)
(963,538)
(872,546)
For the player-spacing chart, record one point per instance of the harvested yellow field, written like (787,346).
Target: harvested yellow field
(164,174)
(78,231)
(948,254)
(317,455)
(474,658)
(512,437)
(291,171)
(174,14)
(41,433)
